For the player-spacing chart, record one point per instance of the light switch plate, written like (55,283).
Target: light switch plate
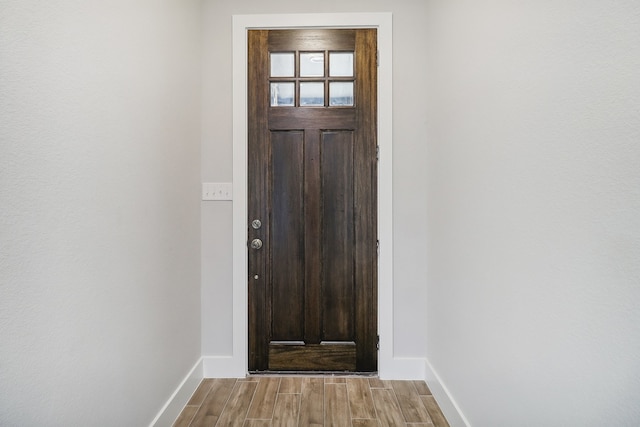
(217,191)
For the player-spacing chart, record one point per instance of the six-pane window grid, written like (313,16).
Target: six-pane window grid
(312,79)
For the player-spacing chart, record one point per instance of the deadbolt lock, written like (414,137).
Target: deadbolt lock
(256,224)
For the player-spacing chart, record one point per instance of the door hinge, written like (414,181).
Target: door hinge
(377,58)
(378,247)
(378,342)
(377,152)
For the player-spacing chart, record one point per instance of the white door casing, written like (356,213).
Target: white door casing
(236,364)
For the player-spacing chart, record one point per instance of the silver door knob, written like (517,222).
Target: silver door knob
(256,224)
(256,244)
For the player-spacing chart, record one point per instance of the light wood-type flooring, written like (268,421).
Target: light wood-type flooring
(261,401)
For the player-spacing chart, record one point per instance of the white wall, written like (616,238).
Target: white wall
(408,155)
(99,209)
(533,184)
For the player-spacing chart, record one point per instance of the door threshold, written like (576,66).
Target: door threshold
(321,374)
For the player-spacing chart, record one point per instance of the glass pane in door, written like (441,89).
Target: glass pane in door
(311,94)
(282,65)
(341,94)
(341,64)
(312,64)
(282,94)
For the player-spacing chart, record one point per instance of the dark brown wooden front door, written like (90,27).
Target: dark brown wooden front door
(312,207)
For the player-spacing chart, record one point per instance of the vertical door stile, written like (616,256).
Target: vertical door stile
(366,198)
(257,193)
(312,236)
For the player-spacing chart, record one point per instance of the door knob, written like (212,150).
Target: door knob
(256,244)
(256,224)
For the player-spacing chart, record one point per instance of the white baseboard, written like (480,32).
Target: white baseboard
(224,367)
(401,368)
(171,410)
(447,404)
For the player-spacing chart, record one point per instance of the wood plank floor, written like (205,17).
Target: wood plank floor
(262,401)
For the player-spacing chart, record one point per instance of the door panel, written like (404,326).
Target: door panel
(287,229)
(312,184)
(337,241)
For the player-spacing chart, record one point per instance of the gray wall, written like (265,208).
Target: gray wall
(99,209)
(533,190)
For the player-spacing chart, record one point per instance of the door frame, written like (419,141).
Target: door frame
(238,364)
